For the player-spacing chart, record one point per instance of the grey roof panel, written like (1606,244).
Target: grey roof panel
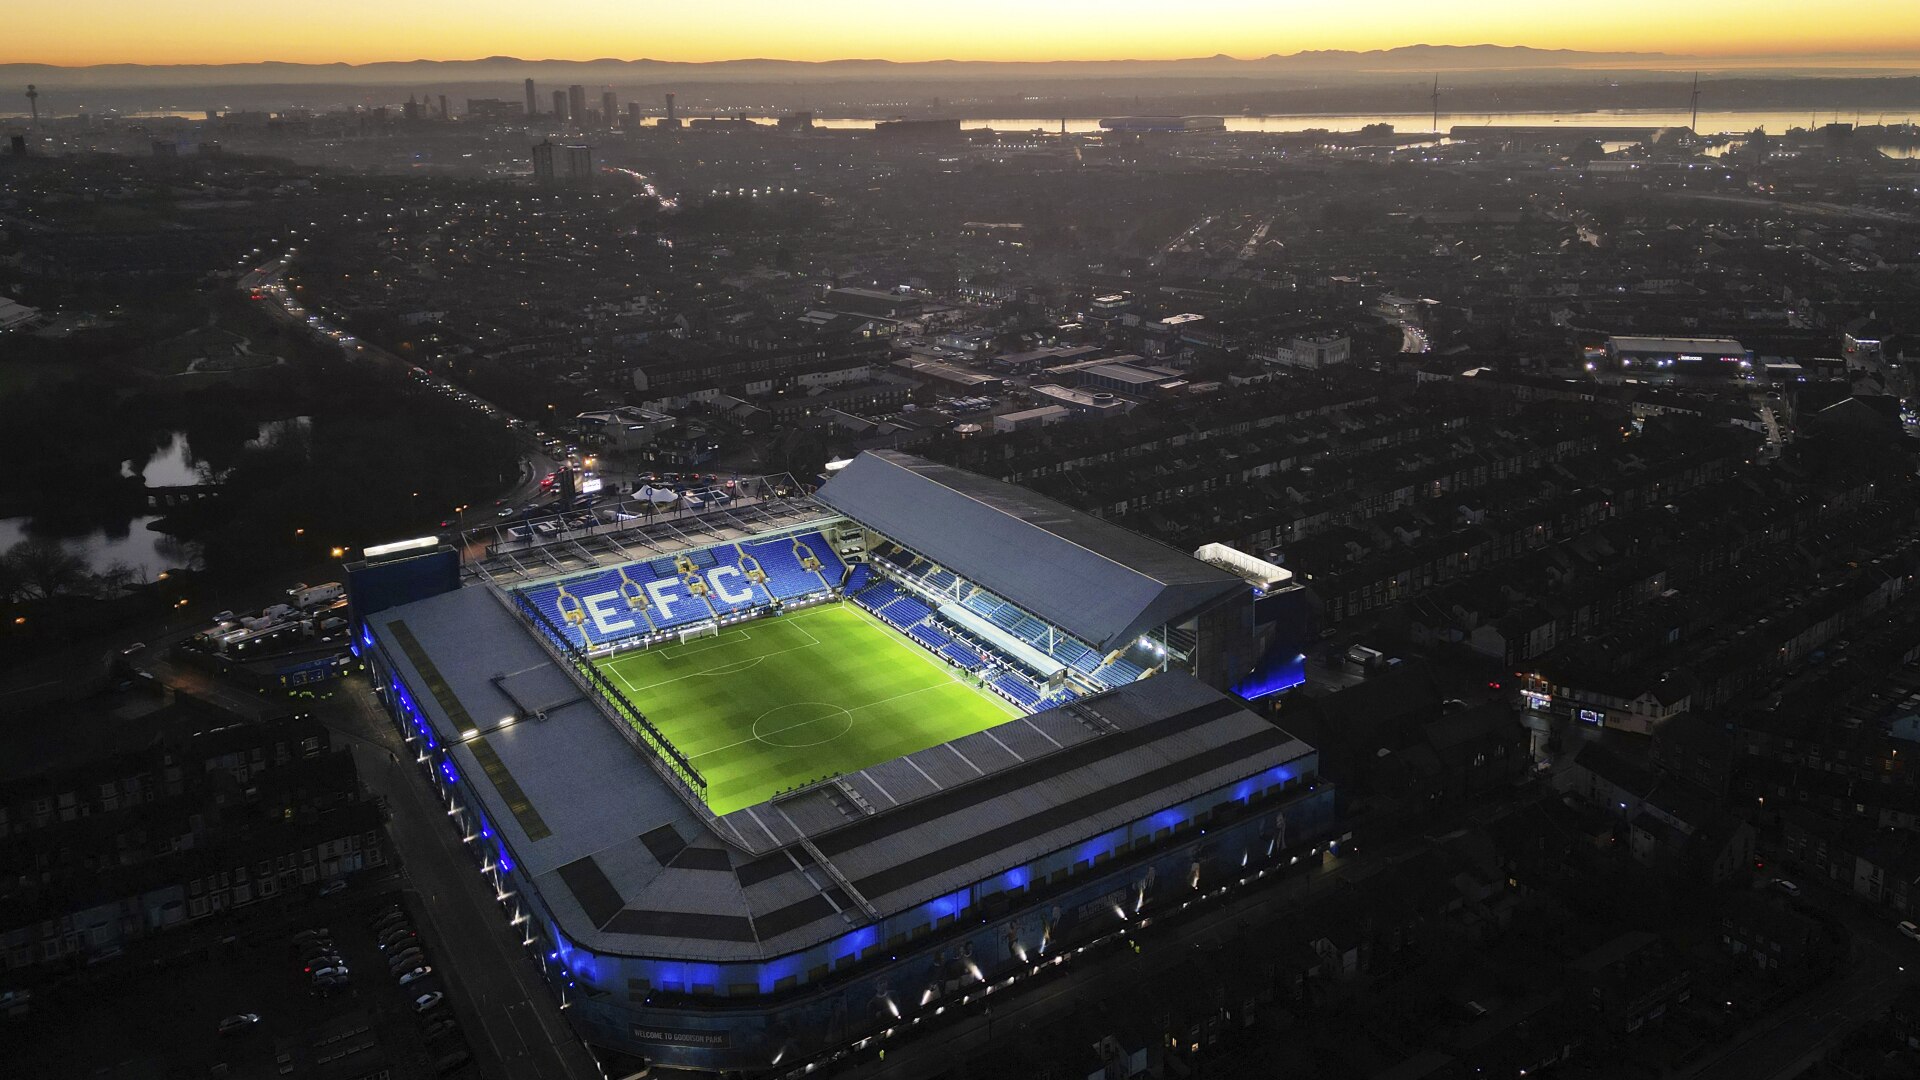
(1097,581)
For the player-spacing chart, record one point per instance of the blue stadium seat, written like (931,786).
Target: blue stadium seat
(859,578)
(962,656)
(830,563)
(786,578)
(1017,689)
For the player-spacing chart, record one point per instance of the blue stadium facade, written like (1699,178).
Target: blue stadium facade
(860,907)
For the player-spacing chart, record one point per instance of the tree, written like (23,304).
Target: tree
(43,569)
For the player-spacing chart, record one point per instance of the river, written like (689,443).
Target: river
(133,542)
(1773,121)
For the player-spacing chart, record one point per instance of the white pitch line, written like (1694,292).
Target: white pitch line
(938,664)
(776,731)
(724,669)
(675,652)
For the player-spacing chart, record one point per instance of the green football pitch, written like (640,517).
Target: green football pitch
(771,704)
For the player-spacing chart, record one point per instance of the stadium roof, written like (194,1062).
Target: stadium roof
(628,866)
(1099,582)
(1701,346)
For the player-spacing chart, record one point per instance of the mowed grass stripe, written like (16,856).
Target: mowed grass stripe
(775,703)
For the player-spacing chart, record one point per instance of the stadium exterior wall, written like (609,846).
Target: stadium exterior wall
(797,1007)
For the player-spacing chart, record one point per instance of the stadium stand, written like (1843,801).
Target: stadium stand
(786,578)
(962,656)
(1018,691)
(564,601)
(831,568)
(858,578)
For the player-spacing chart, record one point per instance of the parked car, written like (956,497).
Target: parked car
(313,934)
(451,1062)
(387,922)
(415,975)
(406,959)
(330,972)
(440,1029)
(1785,886)
(337,885)
(1910,931)
(428,1002)
(238,1022)
(399,939)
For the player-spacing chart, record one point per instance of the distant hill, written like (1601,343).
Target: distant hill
(423,72)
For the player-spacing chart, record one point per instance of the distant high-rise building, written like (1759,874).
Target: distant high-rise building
(411,111)
(543,162)
(533,107)
(633,116)
(609,111)
(671,120)
(559,106)
(493,109)
(579,164)
(444,114)
(577,105)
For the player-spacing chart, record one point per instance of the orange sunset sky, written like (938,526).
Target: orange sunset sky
(358,31)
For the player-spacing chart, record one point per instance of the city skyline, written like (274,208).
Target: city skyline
(360,31)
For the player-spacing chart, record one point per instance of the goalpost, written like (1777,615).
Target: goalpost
(708,628)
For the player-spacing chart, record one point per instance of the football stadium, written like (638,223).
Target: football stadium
(777,771)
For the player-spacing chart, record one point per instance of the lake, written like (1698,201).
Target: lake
(132,542)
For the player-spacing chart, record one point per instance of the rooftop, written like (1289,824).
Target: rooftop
(1101,583)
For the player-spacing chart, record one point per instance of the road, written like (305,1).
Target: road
(511,1017)
(271,275)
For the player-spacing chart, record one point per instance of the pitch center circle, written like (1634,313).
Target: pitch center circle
(802,723)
